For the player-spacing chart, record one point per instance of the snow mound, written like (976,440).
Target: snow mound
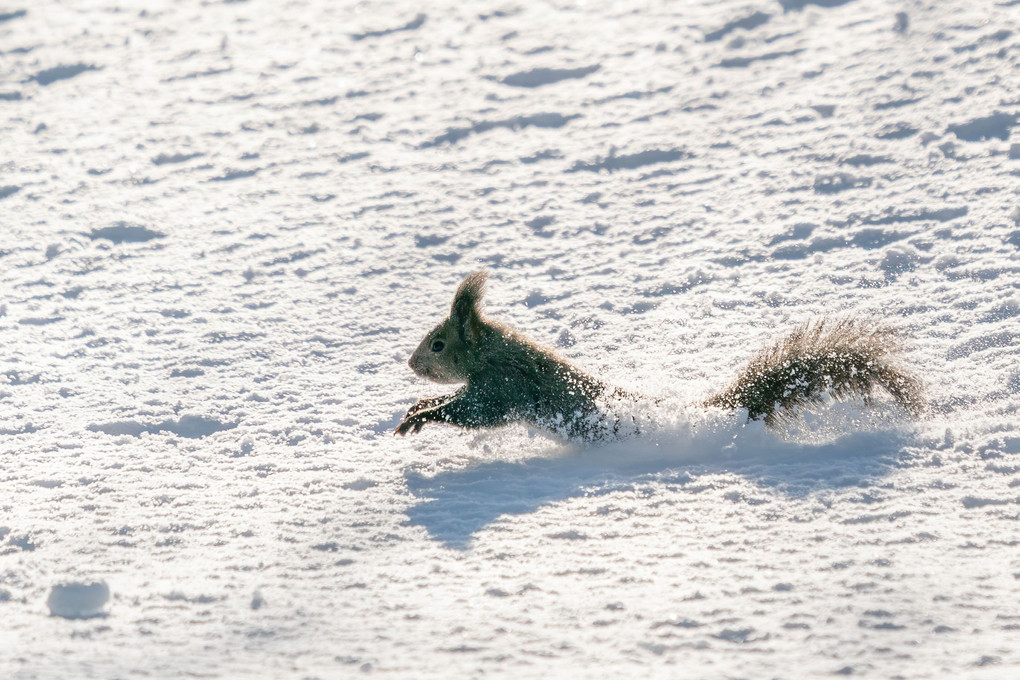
(78,600)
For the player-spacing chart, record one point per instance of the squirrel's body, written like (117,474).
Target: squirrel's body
(520,381)
(508,378)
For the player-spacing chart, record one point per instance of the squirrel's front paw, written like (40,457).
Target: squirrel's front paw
(412,422)
(423,404)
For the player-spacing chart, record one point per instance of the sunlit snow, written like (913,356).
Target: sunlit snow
(225,225)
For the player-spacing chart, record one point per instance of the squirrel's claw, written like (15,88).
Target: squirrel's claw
(412,423)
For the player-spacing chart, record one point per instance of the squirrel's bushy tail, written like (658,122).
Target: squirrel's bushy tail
(848,357)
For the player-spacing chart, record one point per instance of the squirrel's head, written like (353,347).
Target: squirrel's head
(448,352)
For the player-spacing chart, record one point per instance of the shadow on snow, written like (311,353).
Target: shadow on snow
(454,505)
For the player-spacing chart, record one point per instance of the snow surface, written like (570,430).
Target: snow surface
(225,226)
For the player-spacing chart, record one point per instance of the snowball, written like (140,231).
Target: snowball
(78,600)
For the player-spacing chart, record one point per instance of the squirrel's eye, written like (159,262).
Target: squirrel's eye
(438,346)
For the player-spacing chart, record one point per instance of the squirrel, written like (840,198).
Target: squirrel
(508,378)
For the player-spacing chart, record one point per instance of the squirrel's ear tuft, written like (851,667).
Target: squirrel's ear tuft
(467,306)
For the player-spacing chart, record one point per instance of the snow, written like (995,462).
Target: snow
(224,226)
